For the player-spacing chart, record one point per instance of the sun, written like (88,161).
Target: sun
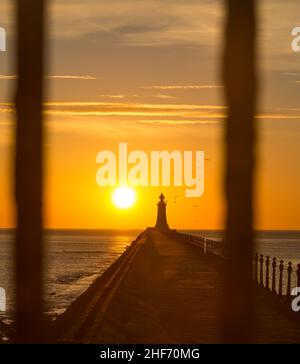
(124,197)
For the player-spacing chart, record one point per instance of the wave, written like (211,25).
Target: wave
(71,278)
(87,252)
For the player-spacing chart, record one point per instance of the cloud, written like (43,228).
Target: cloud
(292,74)
(127,109)
(182,87)
(162,96)
(72,77)
(118,96)
(137,29)
(6,110)
(8,77)
(136,22)
(181,122)
(171,114)
(132,105)
(54,77)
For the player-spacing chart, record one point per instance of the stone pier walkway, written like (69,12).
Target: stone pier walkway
(169,296)
(169,293)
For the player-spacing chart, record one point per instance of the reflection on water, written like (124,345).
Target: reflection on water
(74,260)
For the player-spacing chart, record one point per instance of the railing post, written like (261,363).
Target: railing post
(205,247)
(298,275)
(261,276)
(256,268)
(267,273)
(274,264)
(281,267)
(288,290)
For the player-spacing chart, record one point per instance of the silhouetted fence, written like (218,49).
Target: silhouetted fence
(275,276)
(208,245)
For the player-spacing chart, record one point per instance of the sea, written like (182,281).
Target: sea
(75,258)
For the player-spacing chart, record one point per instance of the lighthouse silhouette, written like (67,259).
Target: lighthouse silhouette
(161,222)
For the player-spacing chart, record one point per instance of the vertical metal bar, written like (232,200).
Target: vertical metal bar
(240,90)
(28,171)
(261,273)
(267,274)
(274,265)
(288,290)
(281,268)
(256,268)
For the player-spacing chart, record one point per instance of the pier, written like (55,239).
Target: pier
(166,288)
(175,266)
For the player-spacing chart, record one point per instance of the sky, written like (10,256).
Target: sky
(148,73)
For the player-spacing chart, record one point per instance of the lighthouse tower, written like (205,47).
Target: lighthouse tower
(161,222)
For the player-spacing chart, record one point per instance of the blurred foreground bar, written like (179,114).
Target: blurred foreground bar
(28,171)
(240,88)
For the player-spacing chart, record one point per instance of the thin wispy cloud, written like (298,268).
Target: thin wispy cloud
(156,113)
(118,96)
(6,110)
(54,77)
(181,87)
(8,77)
(127,109)
(181,122)
(163,96)
(133,105)
(72,77)
(138,23)
(292,74)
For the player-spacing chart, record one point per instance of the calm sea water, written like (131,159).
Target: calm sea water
(76,258)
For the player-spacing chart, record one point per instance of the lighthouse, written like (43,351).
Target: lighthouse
(161,222)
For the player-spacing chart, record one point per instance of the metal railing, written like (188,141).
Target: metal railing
(279,279)
(208,245)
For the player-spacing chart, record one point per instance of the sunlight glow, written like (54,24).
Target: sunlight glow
(124,197)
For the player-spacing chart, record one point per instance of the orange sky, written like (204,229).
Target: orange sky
(146,73)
